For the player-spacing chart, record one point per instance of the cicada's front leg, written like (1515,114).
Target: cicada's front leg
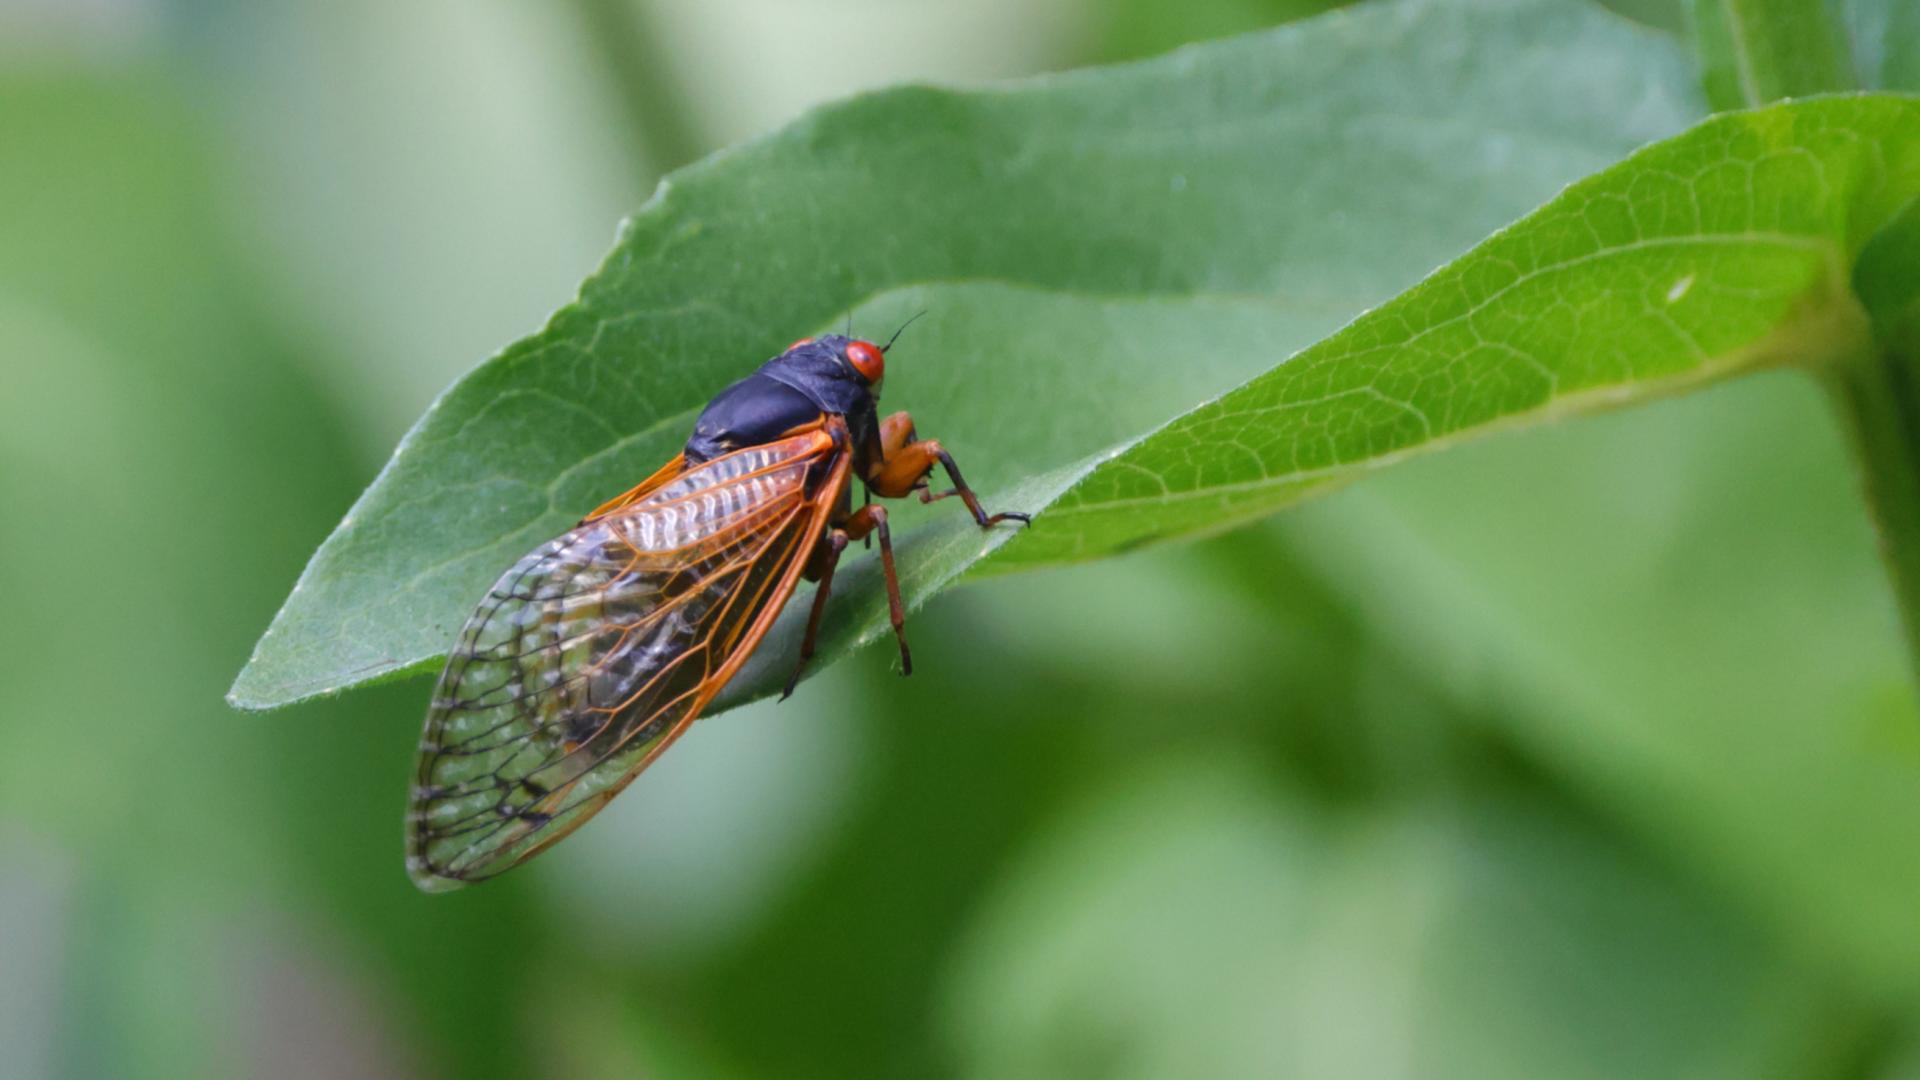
(905,461)
(901,468)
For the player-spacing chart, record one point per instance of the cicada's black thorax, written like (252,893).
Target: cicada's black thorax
(812,379)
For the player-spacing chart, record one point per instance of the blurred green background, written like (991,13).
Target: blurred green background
(1585,752)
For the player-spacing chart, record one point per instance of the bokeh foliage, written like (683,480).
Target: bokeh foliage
(1583,751)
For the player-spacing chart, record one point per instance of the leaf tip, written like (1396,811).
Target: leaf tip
(244,696)
(241,702)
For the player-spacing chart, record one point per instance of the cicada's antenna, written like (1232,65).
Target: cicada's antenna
(903,326)
(849,322)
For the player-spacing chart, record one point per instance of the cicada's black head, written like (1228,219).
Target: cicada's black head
(830,374)
(841,374)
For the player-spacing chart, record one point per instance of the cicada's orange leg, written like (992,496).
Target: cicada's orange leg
(867,520)
(905,461)
(896,432)
(873,519)
(825,558)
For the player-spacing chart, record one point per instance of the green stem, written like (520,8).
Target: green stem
(1878,391)
(640,68)
(1752,52)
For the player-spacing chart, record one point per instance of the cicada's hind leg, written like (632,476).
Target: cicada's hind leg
(873,519)
(867,521)
(825,558)
(907,459)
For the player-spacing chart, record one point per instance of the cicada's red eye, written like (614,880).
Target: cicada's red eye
(797,344)
(866,359)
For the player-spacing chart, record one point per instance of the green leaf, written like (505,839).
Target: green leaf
(1722,251)
(1756,51)
(1101,251)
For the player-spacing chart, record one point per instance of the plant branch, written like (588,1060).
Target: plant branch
(1878,393)
(652,105)
(1878,389)
(1757,51)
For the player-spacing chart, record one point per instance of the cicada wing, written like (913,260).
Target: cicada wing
(662,475)
(597,650)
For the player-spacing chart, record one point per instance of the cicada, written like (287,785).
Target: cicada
(589,657)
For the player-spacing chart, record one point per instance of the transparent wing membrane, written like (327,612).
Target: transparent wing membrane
(589,656)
